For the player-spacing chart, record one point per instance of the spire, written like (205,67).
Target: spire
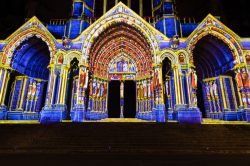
(163,7)
(168,7)
(169,25)
(81,17)
(77,8)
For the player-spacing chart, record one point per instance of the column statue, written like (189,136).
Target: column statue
(239,80)
(211,90)
(194,79)
(215,89)
(245,79)
(122,90)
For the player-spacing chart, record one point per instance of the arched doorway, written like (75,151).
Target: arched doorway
(217,95)
(120,55)
(28,82)
(168,87)
(115,99)
(114,108)
(72,83)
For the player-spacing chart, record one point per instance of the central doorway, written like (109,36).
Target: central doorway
(129,99)
(114,99)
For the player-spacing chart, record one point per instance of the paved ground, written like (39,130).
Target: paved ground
(125,144)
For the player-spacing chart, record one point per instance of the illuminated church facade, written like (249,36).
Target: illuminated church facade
(122,65)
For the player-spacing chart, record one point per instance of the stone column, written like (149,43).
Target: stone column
(59,107)
(129,3)
(53,111)
(4,79)
(191,115)
(23,89)
(138,101)
(78,113)
(91,100)
(102,96)
(63,85)
(160,106)
(176,84)
(51,86)
(145,94)
(149,95)
(106,89)
(178,102)
(242,80)
(241,111)
(141,8)
(168,95)
(104,6)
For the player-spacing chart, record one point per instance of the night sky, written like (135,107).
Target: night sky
(235,14)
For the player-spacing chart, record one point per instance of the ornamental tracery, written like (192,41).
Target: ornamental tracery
(120,39)
(106,23)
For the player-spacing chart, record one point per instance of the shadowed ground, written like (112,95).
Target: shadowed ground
(125,144)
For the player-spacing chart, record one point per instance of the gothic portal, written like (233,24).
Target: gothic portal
(124,65)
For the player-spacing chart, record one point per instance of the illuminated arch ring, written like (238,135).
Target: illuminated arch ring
(25,35)
(171,55)
(220,34)
(71,55)
(118,18)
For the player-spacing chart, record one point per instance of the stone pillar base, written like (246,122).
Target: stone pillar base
(3,112)
(171,115)
(177,109)
(30,116)
(216,115)
(247,115)
(160,113)
(189,116)
(241,114)
(91,115)
(15,115)
(230,116)
(53,114)
(150,116)
(78,113)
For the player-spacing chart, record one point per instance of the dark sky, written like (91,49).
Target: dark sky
(235,14)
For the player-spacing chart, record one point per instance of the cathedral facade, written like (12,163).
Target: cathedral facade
(123,65)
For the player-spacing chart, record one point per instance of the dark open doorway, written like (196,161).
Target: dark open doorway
(114,99)
(73,72)
(167,81)
(200,99)
(129,99)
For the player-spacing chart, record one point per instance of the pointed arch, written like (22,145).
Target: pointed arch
(70,55)
(120,38)
(120,14)
(211,26)
(30,29)
(171,55)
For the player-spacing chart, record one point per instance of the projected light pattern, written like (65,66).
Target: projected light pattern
(172,70)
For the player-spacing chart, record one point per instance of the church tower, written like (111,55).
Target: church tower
(82,14)
(167,23)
